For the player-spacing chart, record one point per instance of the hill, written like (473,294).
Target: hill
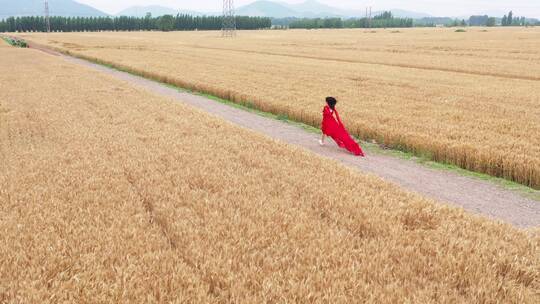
(273,9)
(65,8)
(311,9)
(265,8)
(140,11)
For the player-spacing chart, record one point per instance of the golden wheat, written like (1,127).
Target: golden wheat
(470,99)
(109,194)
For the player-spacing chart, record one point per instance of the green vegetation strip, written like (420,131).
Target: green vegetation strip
(372,147)
(15,42)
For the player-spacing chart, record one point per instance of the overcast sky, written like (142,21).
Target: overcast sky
(530,8)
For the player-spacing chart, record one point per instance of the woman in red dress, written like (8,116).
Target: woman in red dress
(333,127)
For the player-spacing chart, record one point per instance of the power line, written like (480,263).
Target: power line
(229,19)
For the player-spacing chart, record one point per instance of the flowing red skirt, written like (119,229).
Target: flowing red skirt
(334,128)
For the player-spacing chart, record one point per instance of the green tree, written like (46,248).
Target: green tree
(478,20)
(384,20)
(3,26)
(124,23)
(491,21)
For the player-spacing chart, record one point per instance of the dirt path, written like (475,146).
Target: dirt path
(472,194)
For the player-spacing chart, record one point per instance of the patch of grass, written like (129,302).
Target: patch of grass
(249,105)
(283,117)
(15,42)
(460,31)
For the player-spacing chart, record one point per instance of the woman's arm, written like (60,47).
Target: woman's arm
(337,117)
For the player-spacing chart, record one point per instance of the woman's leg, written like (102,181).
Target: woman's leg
(321,142)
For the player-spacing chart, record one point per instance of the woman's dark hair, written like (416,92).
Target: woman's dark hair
(331,101)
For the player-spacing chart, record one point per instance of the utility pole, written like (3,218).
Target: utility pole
(229,19)
(47,19)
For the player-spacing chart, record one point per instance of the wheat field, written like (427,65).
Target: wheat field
(470,99)
(109,194)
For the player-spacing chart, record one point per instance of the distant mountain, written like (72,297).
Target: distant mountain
(265,8)
(155,10)
(65,8)
(312,9)
(273,9)
(195,13)
(491,13)
(140,11)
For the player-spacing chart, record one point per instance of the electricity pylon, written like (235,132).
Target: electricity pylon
(47,19)
(229,19)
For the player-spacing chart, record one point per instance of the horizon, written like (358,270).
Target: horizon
(436,8)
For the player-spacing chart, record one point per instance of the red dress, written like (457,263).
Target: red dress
(334,128)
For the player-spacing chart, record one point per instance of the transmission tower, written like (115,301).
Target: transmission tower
(229,19)
(370,18)
(47,19)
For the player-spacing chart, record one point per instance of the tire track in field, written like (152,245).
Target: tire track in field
(378,63)
(216,286)
(154,216)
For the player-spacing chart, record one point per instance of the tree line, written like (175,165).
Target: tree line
(384,20)
(124,23)
(510,20)
(506,20)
